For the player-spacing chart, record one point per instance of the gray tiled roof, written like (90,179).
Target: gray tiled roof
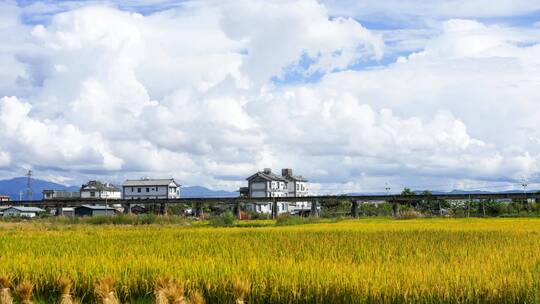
(268,176)
(97,185)
(297,178)
(149,182)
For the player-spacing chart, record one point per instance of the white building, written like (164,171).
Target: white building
(99,190)
(297,186)
(146,188)
(20,211)
(60,194)
(267,184)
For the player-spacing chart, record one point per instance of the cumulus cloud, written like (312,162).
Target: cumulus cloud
(190,92)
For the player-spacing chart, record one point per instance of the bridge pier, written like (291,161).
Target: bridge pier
(354,208)
(127,208)
(395,208)
(198,210)
(314,208)
(238,211)
(274,209)
(163,209)
(59,210)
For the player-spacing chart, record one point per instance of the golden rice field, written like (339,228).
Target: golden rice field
(354,261)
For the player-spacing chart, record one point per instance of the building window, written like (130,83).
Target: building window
(92,194)
(139,190)
(147,189)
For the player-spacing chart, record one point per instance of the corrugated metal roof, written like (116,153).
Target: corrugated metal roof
(25,209)
(98,207)
(149,182)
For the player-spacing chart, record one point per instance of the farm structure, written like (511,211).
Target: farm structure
(146,188)
(21,211)
(94,210)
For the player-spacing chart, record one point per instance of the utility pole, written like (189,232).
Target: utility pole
(469,203)
(29,195)
(524,185)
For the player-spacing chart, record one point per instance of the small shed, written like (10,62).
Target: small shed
(21,211)
(93,210)
(139,209)
(66,211)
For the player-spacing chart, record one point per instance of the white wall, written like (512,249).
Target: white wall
(258,189)
(14,212)
(103,194)
(153,192)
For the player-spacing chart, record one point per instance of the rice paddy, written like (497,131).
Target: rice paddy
(352,261)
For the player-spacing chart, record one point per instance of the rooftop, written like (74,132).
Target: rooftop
(97,207)
(25,209)
(97,185)
(268,175)
(149,182)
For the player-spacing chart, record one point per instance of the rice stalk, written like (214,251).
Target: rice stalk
(24,291)
(105,291)
(5,292)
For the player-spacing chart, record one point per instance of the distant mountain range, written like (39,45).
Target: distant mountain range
(16,188)
(455,191)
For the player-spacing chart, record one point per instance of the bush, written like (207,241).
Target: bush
(226,219)
(409,214)
(288,220)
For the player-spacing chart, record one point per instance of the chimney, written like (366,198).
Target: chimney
(286,172)
(267,170)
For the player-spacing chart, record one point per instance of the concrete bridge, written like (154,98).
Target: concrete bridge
(316,201)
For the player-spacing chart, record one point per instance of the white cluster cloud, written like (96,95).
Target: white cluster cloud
(190,92)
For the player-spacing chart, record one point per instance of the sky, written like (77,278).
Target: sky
(356,96)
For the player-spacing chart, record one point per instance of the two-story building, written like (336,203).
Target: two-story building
(146,188)
(267,184)
(60,194)
(98,190)
(297,185)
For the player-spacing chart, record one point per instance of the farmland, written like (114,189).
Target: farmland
(351,261)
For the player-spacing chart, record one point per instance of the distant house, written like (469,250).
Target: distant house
(145,188)
(5,198)
(297,185)
(20,211)
(267,184)
(60,194)
(91,210)
(98,190)
(66,211)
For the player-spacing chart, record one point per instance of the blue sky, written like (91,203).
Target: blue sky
(351,94)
